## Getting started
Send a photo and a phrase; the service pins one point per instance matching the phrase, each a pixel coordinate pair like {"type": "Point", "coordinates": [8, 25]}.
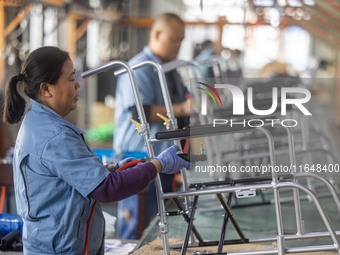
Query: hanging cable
{"type": "Point", "coordinates": [89, 221]}
{"type": "Point", "coordinates": [131, 164]}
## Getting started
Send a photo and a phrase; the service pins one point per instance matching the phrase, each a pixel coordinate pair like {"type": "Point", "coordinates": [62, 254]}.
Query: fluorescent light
{"type": "Point", "coordinates": [264, 3]}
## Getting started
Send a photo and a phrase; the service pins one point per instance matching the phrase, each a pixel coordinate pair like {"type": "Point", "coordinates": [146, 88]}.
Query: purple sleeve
{"type": "Point", "coordinates": [122, 184]}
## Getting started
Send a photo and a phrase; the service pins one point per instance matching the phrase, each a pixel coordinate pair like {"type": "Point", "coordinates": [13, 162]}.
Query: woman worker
{"type": "Point", "coordinates": [57, 177]}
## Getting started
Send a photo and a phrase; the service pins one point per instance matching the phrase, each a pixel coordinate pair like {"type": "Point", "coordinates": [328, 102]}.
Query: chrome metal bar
{"type": "Point", "coordinates": [274, 185]}
{"type": "Point", "coordinates": [106, 67]}
{"type": "Point", "coordinates": [325, 181]}
{"type": "Point", "coordinates": [295, 237]}
{"type": "Point", "coordinates": [297, 205]}
{"type": "Point", "coordinates": [211, 191]}
{"type": "Point", "coordinates": [167, 67]}
{"type": "Point", "coordinates": [283, 185]}
{"type": "Point", "coordinates": [145, 132]}
{"type": "Point", "coordinates": [323, 215]}
{"type": "Point", "coordinates": [170, 114]}
{"type": "Point", "coordinates": [277, 204]}
{"type": "Point", "coordinates": [311, 249]}
{"type": "Point", "coordinates": [164, 87]}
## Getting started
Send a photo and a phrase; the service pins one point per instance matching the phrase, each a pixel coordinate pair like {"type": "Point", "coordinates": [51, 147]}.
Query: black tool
{"type": "Point", "coordinates": [192, 157]}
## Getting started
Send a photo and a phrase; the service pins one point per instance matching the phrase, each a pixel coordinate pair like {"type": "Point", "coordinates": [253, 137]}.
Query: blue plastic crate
{"type": "Point", "coordinates": [110, 154]}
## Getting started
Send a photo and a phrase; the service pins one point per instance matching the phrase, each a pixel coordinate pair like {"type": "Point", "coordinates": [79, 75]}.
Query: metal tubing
{"type": "Point", "coordinates": [226, 207]}
{"type": "Point", "coordinates": [145, 132]}
{"type": "Point", "coordinates": [291, 146]}
{"type": "Point", "coordinates": [325, 181]}
{"type": "Point", "coordinates": [165, 91]}
{"type": "Point", "coordinates": [323, 215]}
{"type": "Point", "coordinates": [296, 197]}
{"type": "Point", "coordinates": [190, 226]}
{"type": "Point", "coordinates": [278, 212]}
{"type": "Point", "coordinates": [274, 180]}
{"type": "Point", "coordinates": [224, 223]}
{"type": "Point", "coordinates": [144, 125]}
{"type": "Point", "coordinates": [295, 237]}
{"type": "Point", "coordinates": [213, 191]}
{"type": "Point", "coordinates": [170, 114]}
{"type": "Point", "coordinates": [167, 67]}
{"type": "Point", "coordinates": [263, 252]}
{"type": "Point", "coordinates": [274, 185]}
{"type": "Point", "coordinates": [311, 249]}
{"type": "Point", "coordinates": [305, 143]}
{"type": "Point", "coordinates": [187, 219]}
{"type": "Point", "coordinates": [283, 185]}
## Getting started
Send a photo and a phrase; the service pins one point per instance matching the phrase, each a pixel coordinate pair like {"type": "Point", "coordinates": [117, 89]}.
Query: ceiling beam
{"type": "Point", "coordinates": [326, 21]}
{"type": "Point", "coordinates": [334, 4]}
{"type": "Point", "coordinates": [329, 14]}
{"type": "Point", "coordinates": [12, 3]}
{"type": "Point", "coordinates": [53, 2]}
{"type": "Point", "coordinates": [147, 22]}
{"type": "Point", "coordinates": [6, 30]}
{"type": "Point", "coordinates": [105, 15]}
{"type": "Point", "coordinates": [327, 30]}
{"type": "Point", "coordinates": [16, 21]}
{"type": "Point", "coordinates": [81, 30]}
{"type": "Point", "coordinates": [320, 33]}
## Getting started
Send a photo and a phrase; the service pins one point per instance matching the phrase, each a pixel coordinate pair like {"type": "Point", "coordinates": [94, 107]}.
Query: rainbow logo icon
{"type": "Point", "coordinates": [212, 92]}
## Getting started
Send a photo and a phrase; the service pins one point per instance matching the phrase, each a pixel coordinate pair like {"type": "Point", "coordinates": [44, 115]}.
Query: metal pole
{"type": "Point", "coordinates": [297, 205]}
{"type": "Point", "coordinates": [145, 132]}
{"type": "Point", "coordinates": [278, 212]}
{"type": "Point", "coordinates": [170, 114]}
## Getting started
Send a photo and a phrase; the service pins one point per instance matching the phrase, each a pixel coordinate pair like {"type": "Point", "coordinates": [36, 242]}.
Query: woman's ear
{"type": "Point", "coordinates": [45, 90]}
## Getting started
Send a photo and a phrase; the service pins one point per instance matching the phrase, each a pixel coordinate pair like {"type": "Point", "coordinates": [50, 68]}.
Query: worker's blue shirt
{"type": "Point", "coordinates": [54, 172]}
{"type": "Point", "coordinates": [126, 137]}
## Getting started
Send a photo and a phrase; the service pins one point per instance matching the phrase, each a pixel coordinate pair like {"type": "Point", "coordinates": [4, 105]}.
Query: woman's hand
{"type": "Point", "coordinates": [115, 166]}
{"type": "Point", "coordinates": [170, 162]}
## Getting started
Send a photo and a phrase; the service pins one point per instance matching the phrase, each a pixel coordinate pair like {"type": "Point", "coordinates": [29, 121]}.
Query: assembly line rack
{"type": "Point", "coordinates": [192, 195]}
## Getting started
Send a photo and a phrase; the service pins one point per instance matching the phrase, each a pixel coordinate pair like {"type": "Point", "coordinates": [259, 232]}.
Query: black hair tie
{"type": "Point", "coordinates": [21, 77]}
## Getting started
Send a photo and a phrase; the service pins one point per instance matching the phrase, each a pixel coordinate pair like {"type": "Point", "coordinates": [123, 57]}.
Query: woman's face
{"type": "Point", "coordinates": [64, 92]}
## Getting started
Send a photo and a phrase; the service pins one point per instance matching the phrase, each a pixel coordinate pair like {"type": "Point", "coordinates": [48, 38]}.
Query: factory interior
{"type": "Point", "coordinates": [187, 127]}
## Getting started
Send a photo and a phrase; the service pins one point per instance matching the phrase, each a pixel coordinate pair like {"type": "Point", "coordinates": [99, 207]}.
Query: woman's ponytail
{"type": "Point", "coordinates": [14, 103]}
{"type": "Point", "coordinates": [43, 65]}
